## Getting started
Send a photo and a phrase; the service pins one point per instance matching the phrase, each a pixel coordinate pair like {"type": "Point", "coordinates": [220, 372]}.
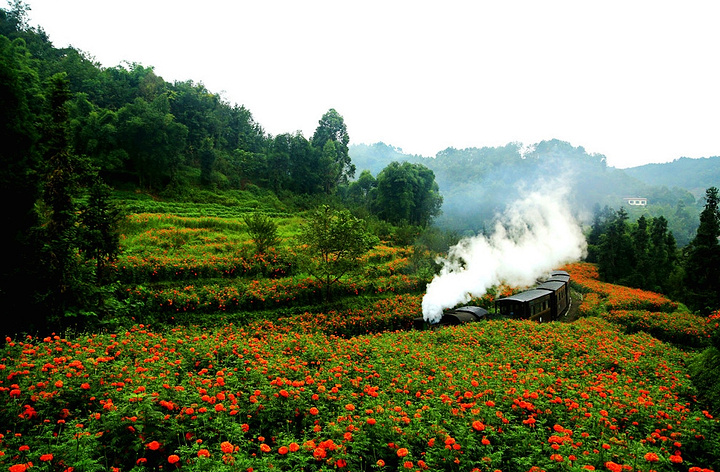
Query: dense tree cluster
{"type": "Point", "coordinates": [644, 254]}
{"type": "Point", "coordinates": [641, 254]}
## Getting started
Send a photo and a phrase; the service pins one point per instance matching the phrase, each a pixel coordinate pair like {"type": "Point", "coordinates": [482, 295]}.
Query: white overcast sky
{"type": "Point", "coordinates": [637, 81]}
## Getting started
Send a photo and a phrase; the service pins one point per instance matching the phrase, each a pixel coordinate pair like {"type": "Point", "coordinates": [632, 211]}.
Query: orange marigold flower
{"type": "Point", "coordinates": [226, 447]}
{"type": "Point", "coordinates": [173, 459]}
{"type": "Point", "coordinates": [282, 450]}
{"type": "Point", "coordinates": [153, 446]}
{"type": "Point", "coordinates": [350, 407]}
{"type": "Point", "coordinates": [380, 463]}
{"type": "Point", "coordinates": [478, 426]}
{"type": "Point", "coordinates": [676, 459]}
{"type": "Point", "coordinates": [402, 452]}
{"type": "Point", "coordinates": [651, 457]}
{"type": "Point", "coordinates": [613, 467]}
{"type": "Point", "coordinates": [408, 465]}
{"type": "Point", "coordinates": [264, 448]}
{"type": "Point", "coordinates": [314, 411]}
{"type": "Point", "coordinates": [18, 468]}
{"type": "Point", "coordinates": [294, 447]}
{"type": "Point", "coordinates": [203, 453]}
{"type": "Point", "coordinates": [46, 457]}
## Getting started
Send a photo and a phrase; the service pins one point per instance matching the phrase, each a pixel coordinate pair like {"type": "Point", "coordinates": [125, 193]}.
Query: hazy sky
{"type": "Point", "coordinates": [638, 81]}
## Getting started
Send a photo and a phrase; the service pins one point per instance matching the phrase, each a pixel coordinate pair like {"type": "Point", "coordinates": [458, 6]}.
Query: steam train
{"type": "Point", "coordinates": [548, 301]}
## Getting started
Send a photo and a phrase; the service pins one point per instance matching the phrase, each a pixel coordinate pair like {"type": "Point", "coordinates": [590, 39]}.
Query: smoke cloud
{"type": "Point", "coordinates": [535, 235]}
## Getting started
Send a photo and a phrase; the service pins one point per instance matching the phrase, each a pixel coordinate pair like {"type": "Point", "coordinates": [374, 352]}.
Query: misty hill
{"type": "Point", "coordinates": [478, 183]}
{"type": "Point", "coordinates": [694, 175]}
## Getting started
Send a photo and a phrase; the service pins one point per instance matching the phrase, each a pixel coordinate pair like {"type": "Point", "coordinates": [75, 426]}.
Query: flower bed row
{"type": "Point", "coordinates": [263, 293]}
{"type": "Point", "coordinates": [502, 395]}
{"type": "Point", "coordinates": [617, 297]}
{"type": "Point", "coordinates": [679, 328]}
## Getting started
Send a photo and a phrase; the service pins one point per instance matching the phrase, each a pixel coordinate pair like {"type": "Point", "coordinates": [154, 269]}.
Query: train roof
{"type": "Point", "coordinates": [526, 296]}
{"type": "Point", "coordinates": [475, 310]}
{"type": "Point", "coordinates": [553, 285]}
{"type": "Point", "coordinates": [559, 272]}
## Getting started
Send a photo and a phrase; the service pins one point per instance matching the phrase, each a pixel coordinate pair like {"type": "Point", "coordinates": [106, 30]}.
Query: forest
{"type": "Point", "coordinates": [182, 290]}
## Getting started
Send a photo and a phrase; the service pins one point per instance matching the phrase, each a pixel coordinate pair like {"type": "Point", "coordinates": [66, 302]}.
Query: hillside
{"type": "Point", "coordinates": [694, 175]}
{"type": "Point", "coordinates": [477, 183]}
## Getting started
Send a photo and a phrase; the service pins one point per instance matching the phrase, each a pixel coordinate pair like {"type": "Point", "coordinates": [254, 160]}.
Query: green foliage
{"type": "Point", "coordinates": [642, 254]}
{"type": "Point", "coordinates": [21, 101]}
{"type": "Point", "coordinates": [262, 230]}
{"type": "Point", "coordinates": [334, 241]}
{"type": "Point", "coordinates": [702, 265]}
{"type": "Point", "coordinates": [331, 142]}
{"type": "Point", "coordinates": [407, 193]}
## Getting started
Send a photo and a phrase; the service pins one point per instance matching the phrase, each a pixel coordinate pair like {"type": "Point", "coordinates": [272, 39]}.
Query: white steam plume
{"type": "Point", "coordinates": [535, 235]}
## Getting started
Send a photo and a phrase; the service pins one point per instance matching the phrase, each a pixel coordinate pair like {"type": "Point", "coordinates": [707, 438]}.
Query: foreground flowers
{"type": "Point", "coordinates": [500, 395]}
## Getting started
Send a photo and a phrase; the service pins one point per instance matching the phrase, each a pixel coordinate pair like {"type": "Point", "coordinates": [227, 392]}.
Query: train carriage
{"type": "Point", "coordinates": [558, 297]}
{"type": "Point", "coordinates": [533, 305]}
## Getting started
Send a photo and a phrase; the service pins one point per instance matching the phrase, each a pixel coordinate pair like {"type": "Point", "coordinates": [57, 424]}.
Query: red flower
{"type": "Point", "coordinates": [173, 459]}
{"type": "Point", "coordinates": [18, 468]}
{"type": "Point", "coordinates": [46, 457]}
{"type": "Point", "coordinates": [153, 446]}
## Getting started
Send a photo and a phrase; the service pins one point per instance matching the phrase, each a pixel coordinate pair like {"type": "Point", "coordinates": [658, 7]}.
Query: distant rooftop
{"type": "Point", "coordinates": [635, 201]}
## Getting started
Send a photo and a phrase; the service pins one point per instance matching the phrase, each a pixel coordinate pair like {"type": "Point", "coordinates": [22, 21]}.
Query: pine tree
{"type": "Point", "coordinates": [702, 265]}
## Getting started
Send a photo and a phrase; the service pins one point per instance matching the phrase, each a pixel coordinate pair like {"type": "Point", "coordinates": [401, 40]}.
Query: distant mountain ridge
{"type": "Point", "coordinates": [477, 183]}
{"type": "Point", "coordinates": [693, 174]}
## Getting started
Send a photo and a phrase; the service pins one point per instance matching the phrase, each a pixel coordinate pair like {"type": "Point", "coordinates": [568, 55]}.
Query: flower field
{"type": "Point", "coordinates": [502, 395]}
{"type": "Point", "coordinates": [349, 388]}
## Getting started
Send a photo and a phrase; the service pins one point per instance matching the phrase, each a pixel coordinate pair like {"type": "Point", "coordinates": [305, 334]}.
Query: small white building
{"type": "Point", "coordinates": [635, 201]}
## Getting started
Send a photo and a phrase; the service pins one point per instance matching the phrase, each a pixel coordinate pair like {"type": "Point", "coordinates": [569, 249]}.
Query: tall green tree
{"type": "Point", "coordinates": [331, 141]}
{"type": "Point", "coordinates": [616, 257]}
{"type": "Point", "coordinates": [334, 241]}
{"type": "Point", "coordinates": [702, 265]}
{"type": "Point", "coordinates": [61, 187]}
{"type": "Point", "coordinates": [99, 235]}
{"type": "Point", "coordinates": [21, 102]}
{"type": "Point", "coordinates": [407, 193]}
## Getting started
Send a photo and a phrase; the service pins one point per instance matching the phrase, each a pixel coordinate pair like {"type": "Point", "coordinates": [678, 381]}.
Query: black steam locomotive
{"type": "Point", "coordinates": [548, 301]}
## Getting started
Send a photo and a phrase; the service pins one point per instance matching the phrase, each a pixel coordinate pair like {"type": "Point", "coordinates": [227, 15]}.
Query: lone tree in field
{"type": "Point", "coordinates": [262, 230]}
{"type": "Point", "coordinates": [334, 241]}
